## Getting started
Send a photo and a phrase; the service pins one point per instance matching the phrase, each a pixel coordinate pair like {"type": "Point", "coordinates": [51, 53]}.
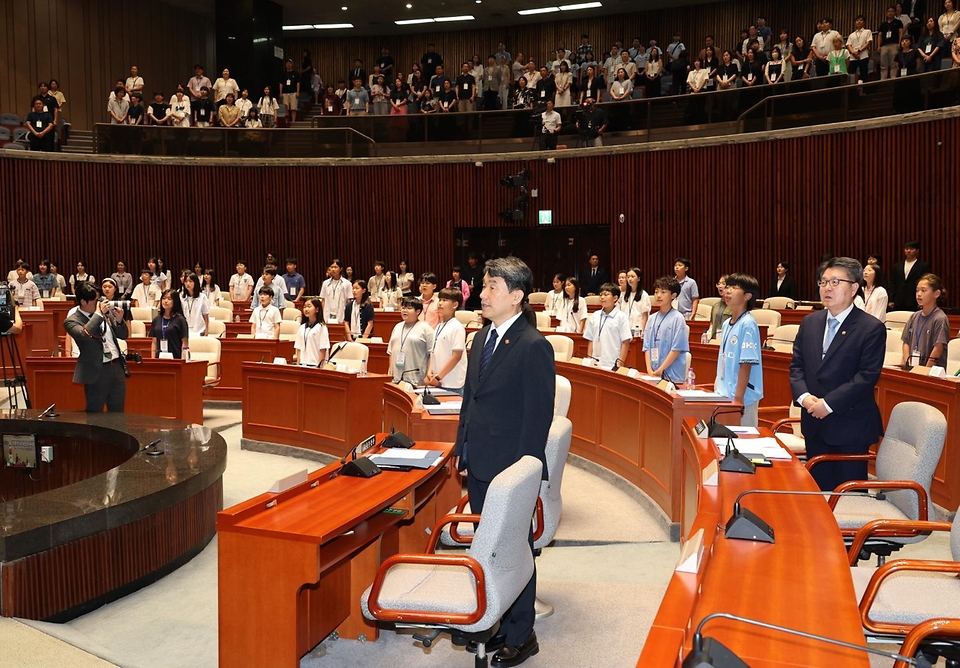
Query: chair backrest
{"type": "Point", "coordinates": [288, 330]}
{"type": "Point", "coordinates": [142, 313]}
{"type": "Point", "coordinates": [953, 356]}
{"type": "Point", "coordinates": [216, 329]}
{"type": "Point", "coordinates": [14, 147]}
{"type": "Point", "coordinates": [543, 321]}
{"type": "Point", "coordinates": [350, 353]}
{"type": "Point", "coordinates": [561, 399]}
{"type": "Point", "coordinates": [9, 119]}
{"type": "Point", "coordinates": [224, 302]}
{"type": "Point", "coordinates": [467, 318]}
{"type": "Point", "coordinates": [767, 317]}
{"type": "Point", "coordinates": [780, 303]}
{"type": "Point", "coordinates": [910, 450]}
{"type": "Point", "coordinates": [558, 447]}
{"type": "Point", "coordinates": [206, 348]}
{"type": "Point", "coordinates": [784, 336]}
{"type": "Point", "coordinates": [137, 328]}
{"type": "Point", "coordinates": [291, 314]}
{"type": "Point", "coordinates": [4, 134]}
{"type": "Point", "coordinates": [703, 312]}
{"type": "Point", "coordinates": [562, 347]}
{"type": "Point", "coordinates": [898, 319]}
{"type": "Point", "coordinates": [468, 344]}
{"type": "Point", "coordinates": [537, 298]}
{"type": "Point", "coordinates": [709, 301]}
{"type": "Point", "coordinates": [220, 313]}
{"type": "Point", "coordinates": [592, 300]}
{"type": "Point", "coordinates": [500, 543]}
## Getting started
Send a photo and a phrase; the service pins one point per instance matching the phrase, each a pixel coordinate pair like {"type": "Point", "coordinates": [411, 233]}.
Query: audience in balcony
{"type": "Point", "coordinates": [837, 58]}
{"type": "Point", "coordinates": [821, 46]}
{"type": "Point", "coordinates": [134, 82]}
{"type": "Point", "coordinates": [118, 107]}
{"type": "Point", "coordinates": [889, 34]}
{"type": "Point", "coordinates": [158, 113]}
{"type": "Point", "coordinates": [358, 100]}
{"type": "Point", "coordinates": [399, 97]}
{"type": "Point", "coordinates": [229, 112]}
{"type": "Point", "coordinates": [197, 83]}
{"type": "Point", "coordinates": [180, 109]}
{"type": "Point", "coordinates": [41, 127]}
{"type": "Point", "coordinates": [380, 96]}
{"type": "Point", "coordinates": [858, 44]}
{"type": "Point", "coordinates": [224, 86]}
{"type": "Point", "coordinates": [949, 21]}
{"type": "Point", "coordinates": [931, 46]}
{"type": "Point", "coordinates": [204, 112]}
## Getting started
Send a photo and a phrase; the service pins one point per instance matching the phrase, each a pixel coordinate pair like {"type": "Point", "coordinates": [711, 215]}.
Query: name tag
{"type": "Point", "coordinates": [543, 93]}
{"type": "Point", "coordinates": [889, 34]}
{"type": "Point", "coordinates": [750, 77]}
{"type": "Point", "coordinates": [164, 346]}
{"type": "Point", "coordinates": [39, 124]}
{"type": "Point", "coordinates": [45, 110]}
{"type": "Point", "coordinates": [929, 48]}
{"type": "Point", "coordinates": [490, 78]}
{"type": "Point", "coordinates": [836, 69]}
{"type": "Point", "coordinates": [903, 71]}
{"type": "Point", "coordinates": [466, 86]}
{"type": "Point", "coordinates": [329, 109]}
{"type": "Point", "coordinates": [289, 82]}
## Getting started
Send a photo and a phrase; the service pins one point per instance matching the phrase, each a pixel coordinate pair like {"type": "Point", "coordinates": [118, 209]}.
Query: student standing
{"type": "Point", "coordinates": [265, 319]}
{"type": "Point", "coordinates": [448, 359]}
{"type": "Point", "coordinates": [428, 288]}
{"type": "Point", "coordinates": [689, 297]}
{"type": "Point", "coordinates": [334, 292]}
{"type": "Point", "coordinates": [293, 281]}
{"type": "Point", "coordinates": [572, 313]}
{"type": "Point", "coordinates": [608, 331]}
{"type": "Point", "coordinates": [410, 344]}
{"type": "Point", "coordinates": [665, 340]}
{"type": "Point", "coordinates": [313, 340]}
{"type": "Point", "coordinates": [169, 329]}
{"type": "Point", "coordinates": [195, 307]}
{"type": "Point", "coordinates": [635, 302]}
{"type": "Point", "coordinates": [358, 314]}
{"type": "Point", "coordinates": [146, 293]}
{"type": "Point", "coordinates": [739, 368]}
{"type": "Point", "coordinates": [927, 332]}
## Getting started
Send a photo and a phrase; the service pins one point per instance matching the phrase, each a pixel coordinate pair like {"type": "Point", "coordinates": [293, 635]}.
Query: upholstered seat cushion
{"type": "Point", "coordinates": [910, 597]}
{"type": "Point", "coordinates": [416, 587]}
{"type": "Point", "coordinates": [853, 512]}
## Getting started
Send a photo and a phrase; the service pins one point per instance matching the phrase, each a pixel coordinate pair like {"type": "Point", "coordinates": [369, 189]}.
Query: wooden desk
{"type": "Point", "coordinates": [383, 324]}
{"type": "Point", "coordinates": [894, 387]}
{"type": "Point", "coordinates": [316, 409]}
{"type": "Point", "coordinates": [163, 388]}
{"type": "Point", "coordinates": [400, 413]}
{"type": "Point", "coordinates": [233, 353]}
{"type": "Point", "coordinates": [802, 581]}
{"type": "Point", "coordinates": [632, 428]}
{"type": "Point", "coordinates": [292, 566]}
{"type": "Point", "coordinates": [39, 336]}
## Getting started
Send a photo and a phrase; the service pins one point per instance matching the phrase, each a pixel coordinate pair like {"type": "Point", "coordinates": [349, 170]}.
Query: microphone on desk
{"type": "Point", "coordinates": [711, 653]}
{"type": "Point", "coordinates": [400, 380]}
{"type": "Point", "coordinates": [152, 449]}
{"type": "Point", "coordinates": [720, 430]}
{"type": "Point", "coordinates": [617, 363]}
{"type": "Point", "coordinates": [747, 525]}
{"type": "Point", "coordinates": [48, 412]}
{"type": "Point", "coordinates": [262, 357]}
{"type": "Point", "coordinates": [428, 399]}
{"type": "Point", "coordinates": [766, 344]}
{"type": "Point", "coordinates": [734, 461]}
{"type": "Point", "coordinates": [397, 439]}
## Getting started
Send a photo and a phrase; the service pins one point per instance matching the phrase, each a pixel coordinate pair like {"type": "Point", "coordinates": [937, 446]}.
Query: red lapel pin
{"type": "Point", "coordinates": [506, 342]}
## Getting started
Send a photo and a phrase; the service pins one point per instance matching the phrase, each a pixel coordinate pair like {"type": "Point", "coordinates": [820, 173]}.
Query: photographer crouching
{"type": "Point", "coordinates": [96, 327]}
{"type": "Point", "coordinates": [591, 122]}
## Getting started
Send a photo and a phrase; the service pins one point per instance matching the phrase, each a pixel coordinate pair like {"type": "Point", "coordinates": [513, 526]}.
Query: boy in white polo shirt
{"type": "Point", "coordinates": [241, 283]}
{"type": "Point", "coordinates": [448, 360]}
{"type": "Point", "coordinates": [265, 319]}
{"type": "Point", "coordinates": [608, 330]}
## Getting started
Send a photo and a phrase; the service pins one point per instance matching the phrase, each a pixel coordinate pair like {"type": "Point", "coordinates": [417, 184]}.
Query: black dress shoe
{"type": "Point", "coordinates": [491, 646]}
{"type": "Point", "coordinates": [514, 656]}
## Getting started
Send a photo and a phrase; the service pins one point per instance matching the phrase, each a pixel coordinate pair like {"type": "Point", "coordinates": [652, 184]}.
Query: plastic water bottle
{"type": "Point", "coordinates": [691, 379]}
{"type": "Point", "coordinates": [705, 337]}
{"type": "Point", "coordinates": [186, 354]}
{"type": "Point", "coordinates": [363, 368]}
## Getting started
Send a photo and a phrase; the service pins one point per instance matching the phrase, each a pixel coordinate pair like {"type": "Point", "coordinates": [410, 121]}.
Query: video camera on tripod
{"type": "Point", "coordinates": [11, 364]}
{"type": "Point", "coordinates": [7, 305]}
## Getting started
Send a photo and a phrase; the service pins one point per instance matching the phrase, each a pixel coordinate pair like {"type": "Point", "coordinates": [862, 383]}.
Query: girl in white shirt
{"type": "Point", "coordinates": [874, 296]}
{"type": "Point", "coordinates": [268, 108]}
{"type": "Point", "coordinates": [210, 287]}
{"type": "Point", "coordinates": [313, 340]}
{"type": "Point", "coordinates": [195, 307]}
{"type": "Point", "coordinates": [390, 294]}
{"type": "Point", "coordinates": [635, 302]}
{"type": "Point", "coordinates": [555, 297]}
{"type": "Point", "coordinates": [573, 310]}
{"type": "Point", "coordinates": [164, 274]}
{"type": "Point", "coordinates": [405, 279]}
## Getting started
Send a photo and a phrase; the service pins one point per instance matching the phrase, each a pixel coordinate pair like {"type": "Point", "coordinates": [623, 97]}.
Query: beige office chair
{"type": "Point", "coordinates": [893, 353]}
{"type": "Point", "coordinates": [143, 313]}
{"type": "Point", "coordinates": [953, 356]}
{"type": "Point", "coordinates": [561, 398]}
{"type": "Point", "coordinates": [207, 348]}
{"type": "Point", "coordinates": [465, 594]}
{"type": "Point", "coordinates": [562, 347]}
{"type": "Point", "coordinates": [121, 346]}
{"type": "Point", "coordinates": [543, 322]}
{"type": "Point", "coordinates": [905, 464]}
{"type": "Point", "coordinates": [290, 313]}
{"type": "Point", "coordinates": [783, 338]}
{"type": "Point", "coordinates": [703, 312]}
{"type": "Point", "coordinates": [224, 302]}
{"type": "Point", "coordinates": [220, 313]}
{"type": "Point", "coordinates": [138, 328]}
{"type": "Point", "coordinates": [354, 355]}
{"type": "Point", "coordinates": [467, 318]}
{"type": "Point", "coordinates": [787, 431]}
{"type": "Point", "coordinates": [592, 300]}
{"type": "Point", "coordinates": [767, 317]}
{"type": "Point", "coordinates": [288, 330]}
{"type": "Point", "coordinates": [898, 319]}
{"type": "Point", "coordinates": [217, 329]}
{"type": "Point", "coordinates": [537, 298]}
{"type": "Point", "coordinates": [468, 344]}
{"type": "Point", "coordinates": [709, 301]}
{"type": "Point", "coordinates": [779, 303]}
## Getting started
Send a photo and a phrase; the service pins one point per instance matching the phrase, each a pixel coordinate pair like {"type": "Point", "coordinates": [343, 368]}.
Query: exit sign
{"type": "Point", "coordinates": [546, 217]}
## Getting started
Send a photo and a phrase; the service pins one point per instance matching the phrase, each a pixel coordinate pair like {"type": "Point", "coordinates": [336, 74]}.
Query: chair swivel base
{"type": "Point", "coordinates": [543, 608]}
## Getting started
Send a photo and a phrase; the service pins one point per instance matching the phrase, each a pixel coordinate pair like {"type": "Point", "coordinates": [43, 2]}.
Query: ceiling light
{"type": "Point", "coordinates": [410, 22]}
{"type": "Point", "coordinates": [541, 10]}
{"type": "Point", "coordinates": [331, 26]}
{"type": "Point", "coordinates": [409, 6]}
{"type": "Point", "coordinates": [447, 19]}
{"type": "Point", "coordinates": [344, 8]}
{"type": "Point", "coordinates": [303, 27]}
{"type": "Point", "coordinates": [582, 5]}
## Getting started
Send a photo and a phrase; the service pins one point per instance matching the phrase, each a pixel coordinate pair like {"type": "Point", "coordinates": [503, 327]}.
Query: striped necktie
{"type": "Point", "coordinates": [488, 348]}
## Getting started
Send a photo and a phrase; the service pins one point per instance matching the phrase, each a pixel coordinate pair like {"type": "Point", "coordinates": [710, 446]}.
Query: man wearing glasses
{"type": "Point", "coordinates": [837, 357]}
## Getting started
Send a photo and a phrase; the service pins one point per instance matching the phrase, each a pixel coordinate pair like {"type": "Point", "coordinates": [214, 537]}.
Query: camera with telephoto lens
{"type": "Point", "coordinates": [122, 304]}
{"type": "Point", "coordinates": [6, 307]}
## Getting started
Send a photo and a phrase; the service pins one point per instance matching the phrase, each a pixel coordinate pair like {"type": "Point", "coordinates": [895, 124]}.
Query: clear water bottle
{"type": "Point", "coordinates": [186, 354]}
{"type": "Point", "coordinates": [691, 379]}
{"type": "Point", "coordinates": [363, 368]}
{"type": "Point", "coordinates": [705, 337]}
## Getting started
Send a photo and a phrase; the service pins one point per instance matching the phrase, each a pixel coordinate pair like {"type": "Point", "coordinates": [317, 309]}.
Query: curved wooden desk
{"type": "Point", "coordinates": [401, 413]}
{"type": "Point", "coordinates": [802, 581]}
{"type": "Point", "coordinates": [104, 519]}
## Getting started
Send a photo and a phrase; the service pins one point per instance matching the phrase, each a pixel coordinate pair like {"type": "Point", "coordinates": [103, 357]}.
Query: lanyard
{"type": "Point", "coordinates": [403, 339]}
{"type": "Point", "coordinates": [918, 328]}
{"type": "Point", "coordinates": [437, 337]}
{"type": "Point", "coordinates": [656, 331]}
{"type": "Point", "coordinates": [163, 326]}
{"type": "Point", "coordinates": [603, 321]}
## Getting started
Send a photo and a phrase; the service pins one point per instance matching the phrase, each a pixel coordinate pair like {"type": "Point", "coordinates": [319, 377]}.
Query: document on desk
{"type": "Point", "coordinates": [768, 447]}
{"type": "Point", "coordinates": [404, 458]}
{"type": "Point", "coordinates": [701, 395]}
{"type": "Point", "coordinates": [444, 408]}
{"type": "Point", "coordinates": [436, 391]}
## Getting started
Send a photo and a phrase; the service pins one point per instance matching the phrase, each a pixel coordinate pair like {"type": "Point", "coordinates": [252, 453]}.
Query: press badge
{"type": "Point", "coordinates": [164, 346]}
{"type": "Point", "coordinates": [399, 358]}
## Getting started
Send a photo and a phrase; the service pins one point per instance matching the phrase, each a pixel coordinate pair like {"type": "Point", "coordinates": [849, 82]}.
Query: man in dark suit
{"type": "Point", "coordinates": [507, 410]}
{"type": "Point", "coordinates": [594, 277]}
{"type": "Point", "coordinates": [903, 280]}
{"type": "Point", "coordinates": [96, 328]}
{"type": "Point", "coordinates": [837, 357]}
{"type": "Point", "coordinates": [785, 285]}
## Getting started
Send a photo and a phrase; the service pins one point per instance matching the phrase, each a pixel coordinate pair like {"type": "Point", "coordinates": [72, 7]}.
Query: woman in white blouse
{"type": "Point", "coordinates": [874, 296]}
{"type": "Point", "coordinates": [555, 297]}
{"type": "Point", "coordinates": [390, 294]}
{"type": "Point", "coordinates": [949, 21]}
{"type": "Point", "coordinates": [622, 87]}
{"type": "Point", "coordinates": [196, 309]}
{"type": "Point", "coordinates": [635, 302]}
{"type": "Point", "coordinates": [573, 311]}
{"type": "Point", "coordinates": [563, 79]}
{"type": "Point", "coordinates": [405, 278]}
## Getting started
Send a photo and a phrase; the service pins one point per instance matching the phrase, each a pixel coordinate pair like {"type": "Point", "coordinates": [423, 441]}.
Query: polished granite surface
{"type": "Point", "coordinates": [193, 458]}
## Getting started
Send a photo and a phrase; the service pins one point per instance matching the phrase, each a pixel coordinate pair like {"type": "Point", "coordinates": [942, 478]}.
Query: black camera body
{"type": "Point", "coordinates": [7, 305]}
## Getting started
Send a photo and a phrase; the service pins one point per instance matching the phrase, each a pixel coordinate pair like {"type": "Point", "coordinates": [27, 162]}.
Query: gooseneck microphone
{"type": "Point", "coordinates": [711, 653]}
{"type": "Point", "coordinates": [720, 430]}
{"type": "Point", "coordinates": [397, 382]}
{"type": "Point", "coordinates": [734, 461]}
{"type": "Point", "coordinates": [48, 412]}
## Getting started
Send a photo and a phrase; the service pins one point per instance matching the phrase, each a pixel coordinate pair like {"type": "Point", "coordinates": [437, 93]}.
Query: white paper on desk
{"type": "Point", "coordinates": [444, 408]}
{"type": "Point", "coordinates": [744, 431]}
{"type": "Point", "coordinates": [701, 395]}
{"type": "Point", "coordinates": [652, 379]}
{"type": "Point", "coordinates": [403, 453]}
{"type": "Point", "coordinates": [768, 447]}
{"type": "Point", "coordinates": [436, 391]}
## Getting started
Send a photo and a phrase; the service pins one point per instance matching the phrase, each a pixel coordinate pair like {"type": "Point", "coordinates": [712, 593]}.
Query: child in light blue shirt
{"type": "Point", "coordinates": [666, 339]}
{"type": "Point", "coordinates": [739, 369]}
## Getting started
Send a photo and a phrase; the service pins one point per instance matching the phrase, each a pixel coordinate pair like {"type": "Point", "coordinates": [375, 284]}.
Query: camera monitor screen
{"type": "Point", "coordinates": [21, 451]}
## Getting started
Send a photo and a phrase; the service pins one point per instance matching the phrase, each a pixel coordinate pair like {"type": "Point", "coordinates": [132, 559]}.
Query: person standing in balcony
{"type": "Point", "coordinates": [858, 44]}
{"type": "Point", "coordinates": [931, 47]}
{"type": "Point", "coordinates": [889, 34]}
{"type": "Point", "coordinates": [820, 47]}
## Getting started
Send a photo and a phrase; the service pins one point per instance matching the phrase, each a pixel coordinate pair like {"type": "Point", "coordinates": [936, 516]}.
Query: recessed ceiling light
{"type": "Point", "coordinates": [582, 5]}
{"type": "Point", "coordinates": [410, 22]}
{"type": "Point", "coordinates": [302, 27]}
{"type": "Point", "coordinates": [344, 8]}
{"type": "Point", "coordinates": [447, 19]}
{"type": "Point", "coordinates": [409, 6]}
{"type": "Point", "coordinates": [539, 10]}
{"type": "Point", "coordinates": [331, 26]}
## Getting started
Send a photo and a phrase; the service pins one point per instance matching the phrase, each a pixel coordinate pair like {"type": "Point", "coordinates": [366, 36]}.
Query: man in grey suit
{"type": "Point", "coordinates": [96, 329]}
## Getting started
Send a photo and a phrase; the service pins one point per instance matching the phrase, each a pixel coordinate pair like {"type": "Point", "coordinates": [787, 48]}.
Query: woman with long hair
{"type": "Point", "coordinates": [169, 328]}
{"type": "Point", "coordinates": [313, 340]}
{"type": "Point", "coordinates": [573, 310]}
{"type": "Point", "coordinates": [194, 304]}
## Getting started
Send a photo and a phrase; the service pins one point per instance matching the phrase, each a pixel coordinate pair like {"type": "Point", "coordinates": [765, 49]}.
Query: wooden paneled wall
{"type": "Point", "coordinates": [87, 45]}
{"type": "Point", "coordinates": [334, 56]}
{"type": "Point", "coordinates": [737, 207]}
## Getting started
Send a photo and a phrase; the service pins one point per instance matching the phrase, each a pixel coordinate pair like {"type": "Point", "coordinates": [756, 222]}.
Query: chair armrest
{"type": "Point", "coordinates": [891, 527]}
{"type": "Point", "coordinates": [854, 485]}
{"type": "Point", "coordinates": [779, 424]}
{"type": "Point", "coordinates": [866, 457]}
{"type": "Point", "coordinates": [538, 515]}
{"type": "Point", "coordinates": [939, 628]}
{"type": "Point", "coordinates": [891, 567]}
{"type": "Point", "coordinates": [452, 519]}
{"type": "Point", "coordinates": [427, 616]}
{"type": "Point", "coordinates": [464, 500]}
{"type": "Point", "coordinates": [466, 540]}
